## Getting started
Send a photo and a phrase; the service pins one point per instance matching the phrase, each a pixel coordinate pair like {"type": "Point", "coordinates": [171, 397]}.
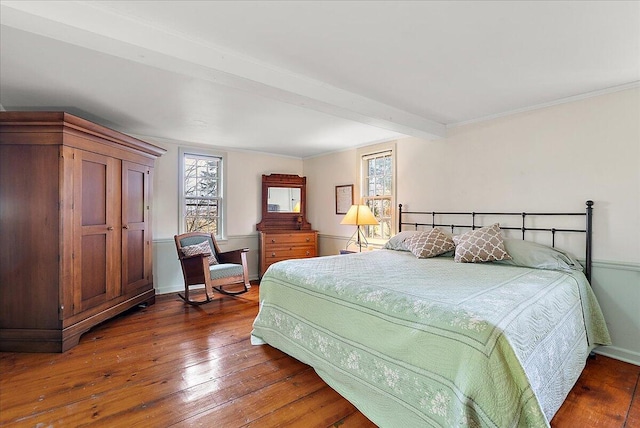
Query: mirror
{"type": "Point", "coordinates": [283, 200]}
{"type": "Point", "coordinates": [284, 203]}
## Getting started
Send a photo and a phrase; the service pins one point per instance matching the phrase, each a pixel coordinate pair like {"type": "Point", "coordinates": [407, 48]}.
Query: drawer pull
{"type": "Point", "coordinates": [273, 241]}
{"type": "Point", "coordinates": [308, 239]}
{"type": "Point", "coordinates": [273, 254]}
{"type": "Point", "coordinates": [308, 253]}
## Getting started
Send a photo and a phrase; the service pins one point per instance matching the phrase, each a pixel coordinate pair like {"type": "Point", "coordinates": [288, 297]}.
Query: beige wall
{"type": "Point", "coordinates": [551, 159]}
{"type": "Point", "coordinates": [323, 175]}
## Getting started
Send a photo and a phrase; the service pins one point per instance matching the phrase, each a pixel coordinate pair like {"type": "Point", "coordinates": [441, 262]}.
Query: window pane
{"type": "Point", "coordinates": [386, 208]}
{"type": "Point", "coordinates": [379, 210]}
{"type": "Point", "coordinates": [379, 187]}
{"type": "Point", "coordinates": [387, 166]}
{"type": "Point", "coordinates": [202, 215]}
{"type": "Point", "coordinates": [379, 166]}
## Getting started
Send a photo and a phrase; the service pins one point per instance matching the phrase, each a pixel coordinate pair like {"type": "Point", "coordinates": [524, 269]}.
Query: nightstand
{"type": "Point", "coordinates": [346, 252]}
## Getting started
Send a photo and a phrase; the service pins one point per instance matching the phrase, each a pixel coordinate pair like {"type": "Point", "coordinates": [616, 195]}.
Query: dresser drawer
{"type": "Point", "coordinates": [283, 253]}
{"type": "Point", "coordinates": [289, 238]}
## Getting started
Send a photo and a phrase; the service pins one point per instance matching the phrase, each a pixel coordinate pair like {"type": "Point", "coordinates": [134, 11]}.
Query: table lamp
{"type": "Point", "coordinates": [359, 215]}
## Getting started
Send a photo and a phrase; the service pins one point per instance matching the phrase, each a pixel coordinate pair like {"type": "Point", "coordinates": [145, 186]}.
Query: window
{"type": "Point", "coordinates": [377, 189]}
{"type": "Point", "coordinates": [201, 196]}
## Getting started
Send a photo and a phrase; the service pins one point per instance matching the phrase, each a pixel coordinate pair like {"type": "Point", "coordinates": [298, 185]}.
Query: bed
{"type": "Point", "coordinates": [432, 341]}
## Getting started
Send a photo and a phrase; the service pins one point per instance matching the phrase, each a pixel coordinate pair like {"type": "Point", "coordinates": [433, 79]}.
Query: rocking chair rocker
{"type": "Point", "coordinates": [203, 263]}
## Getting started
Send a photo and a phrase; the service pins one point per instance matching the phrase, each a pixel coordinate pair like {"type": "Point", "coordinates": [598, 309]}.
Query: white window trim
{"type": "Point", "coordinates": [389, 146]}
{"type": "Point", "coordinates": [222, 236]}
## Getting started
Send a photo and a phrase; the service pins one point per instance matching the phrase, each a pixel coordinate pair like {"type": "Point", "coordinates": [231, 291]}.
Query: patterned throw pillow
{"type": "Point", "coordinates": [429, 244]}
{"type": "Point", "coordinates": [480, 245]}
{"type": "Point", "coordinates": [201, 248]}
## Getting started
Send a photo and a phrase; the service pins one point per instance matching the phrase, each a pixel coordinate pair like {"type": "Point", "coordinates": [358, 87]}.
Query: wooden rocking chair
{"type": "Point", "coordinates": [203, 263]}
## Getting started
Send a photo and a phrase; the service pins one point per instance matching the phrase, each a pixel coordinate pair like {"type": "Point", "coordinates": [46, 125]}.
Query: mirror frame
{"type": "Point", "coordinates": [281, 220]}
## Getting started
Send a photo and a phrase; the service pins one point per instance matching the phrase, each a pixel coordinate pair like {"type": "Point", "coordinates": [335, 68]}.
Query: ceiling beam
{"type": "Point", "coordinates": [92, 26]}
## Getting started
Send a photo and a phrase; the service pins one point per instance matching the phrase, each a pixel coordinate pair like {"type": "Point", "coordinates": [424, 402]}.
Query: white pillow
{"type": "Point", "coordinates": [531, 254]}
{"type": "Point", "coordinates": [398, 241]}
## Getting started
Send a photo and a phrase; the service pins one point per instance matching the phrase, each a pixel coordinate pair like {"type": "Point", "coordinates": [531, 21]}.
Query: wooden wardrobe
{"type": "Point", "coordinates": [75, 205]}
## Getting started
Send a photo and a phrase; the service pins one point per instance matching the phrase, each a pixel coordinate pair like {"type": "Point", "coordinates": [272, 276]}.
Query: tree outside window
{"type": "Point", "coordinates": [202, 193]}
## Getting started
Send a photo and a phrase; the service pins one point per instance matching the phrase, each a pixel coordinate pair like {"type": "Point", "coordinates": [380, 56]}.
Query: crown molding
{"type": "Point", "coordinates": [570, 99]}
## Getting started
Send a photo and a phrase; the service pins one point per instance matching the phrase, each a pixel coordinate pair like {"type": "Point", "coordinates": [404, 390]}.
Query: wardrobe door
{"type": "Point", "coordinates": [96, 216]}
{"type": "Point", "coordinates": [136, 254]}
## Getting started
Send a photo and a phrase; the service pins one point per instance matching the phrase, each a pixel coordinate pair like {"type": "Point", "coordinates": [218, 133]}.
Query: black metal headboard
{"type": "Point", "coordinates": [524, 228]}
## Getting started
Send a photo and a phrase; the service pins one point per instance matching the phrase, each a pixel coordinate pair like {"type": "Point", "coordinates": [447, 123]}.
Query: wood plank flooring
{"type": "Point", "coordinates": [174, 365]}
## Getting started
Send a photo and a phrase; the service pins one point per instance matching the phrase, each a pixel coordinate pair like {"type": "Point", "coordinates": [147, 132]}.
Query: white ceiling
{"type": "Point", "coordinates": [302, 78]}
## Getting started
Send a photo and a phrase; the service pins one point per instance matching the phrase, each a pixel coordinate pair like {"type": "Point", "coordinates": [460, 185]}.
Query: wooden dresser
{"type": "Point", "coordinates": [284, 231]}
{"type": "Point", "coordinates": [280, 245]}
{"type": "Point", "coordinates": [75, 225]}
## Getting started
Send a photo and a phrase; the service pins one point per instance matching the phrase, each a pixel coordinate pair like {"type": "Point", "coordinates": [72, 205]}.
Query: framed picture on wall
{"type": "Point", "coordinates": [344, 198]}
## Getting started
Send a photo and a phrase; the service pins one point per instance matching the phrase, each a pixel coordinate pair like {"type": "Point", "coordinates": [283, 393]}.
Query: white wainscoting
{"type": "Point", "coordinates": [617, 287]}
{"type": "Point", "coordinates": [330, 245]}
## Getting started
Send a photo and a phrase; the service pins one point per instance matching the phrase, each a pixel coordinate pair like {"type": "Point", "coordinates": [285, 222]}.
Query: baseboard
{"type": "Point", "coordinates": [174, 289]}
{"type": "Point", "coordinates": [619, 354]}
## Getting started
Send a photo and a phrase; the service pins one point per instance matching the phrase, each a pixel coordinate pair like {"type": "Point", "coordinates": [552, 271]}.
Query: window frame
{"type": "Point", "coordinates": [363, 155]}
{"type": "Point", "coordinates": [199, 152]}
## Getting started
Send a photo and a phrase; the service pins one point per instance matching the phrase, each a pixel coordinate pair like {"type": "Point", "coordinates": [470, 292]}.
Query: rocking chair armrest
{"type": "Point", "coordinates": [234, 256]}
{"type": "Point", "coordinates": [195, 256]}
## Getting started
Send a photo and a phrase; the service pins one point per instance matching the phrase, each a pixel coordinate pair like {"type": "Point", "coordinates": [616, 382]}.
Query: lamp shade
{"type": "Point", "coordinates": [359, 215]}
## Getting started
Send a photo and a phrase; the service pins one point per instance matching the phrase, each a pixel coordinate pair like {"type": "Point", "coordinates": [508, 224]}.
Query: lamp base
{"type": "Point", "coordinates": [359, 239]}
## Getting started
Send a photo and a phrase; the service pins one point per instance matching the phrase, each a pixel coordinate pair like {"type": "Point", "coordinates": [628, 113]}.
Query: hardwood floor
{"type": "Point", "coordinates": [173, 365]}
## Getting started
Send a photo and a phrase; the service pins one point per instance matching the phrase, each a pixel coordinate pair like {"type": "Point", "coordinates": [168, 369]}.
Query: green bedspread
{"type": "Point", "coordinates": [429, 342]}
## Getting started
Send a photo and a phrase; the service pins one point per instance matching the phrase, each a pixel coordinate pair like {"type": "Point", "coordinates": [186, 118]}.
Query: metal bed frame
{"type": "Point", "coordinates": [587, 230]}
